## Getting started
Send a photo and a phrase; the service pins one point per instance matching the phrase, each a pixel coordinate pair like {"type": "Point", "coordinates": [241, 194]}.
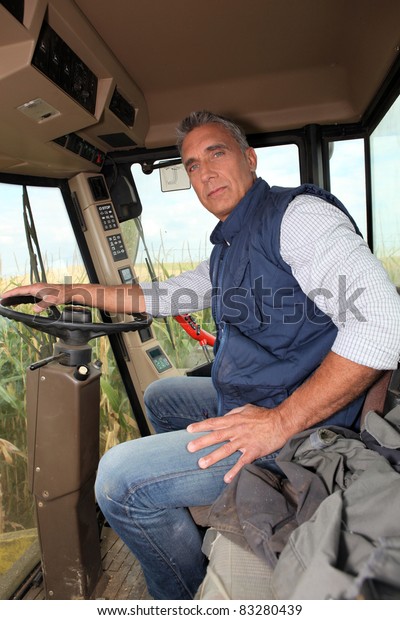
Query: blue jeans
{"type": "Point", "coordinates": [144, 486]}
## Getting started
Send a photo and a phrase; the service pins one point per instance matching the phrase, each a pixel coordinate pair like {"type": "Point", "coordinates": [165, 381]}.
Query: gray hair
{"type": "Point", "coordinates": [203, 117]}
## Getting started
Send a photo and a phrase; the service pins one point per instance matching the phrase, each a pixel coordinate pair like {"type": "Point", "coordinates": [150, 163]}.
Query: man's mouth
{"type": "Point", "coordinates": [216, 192]}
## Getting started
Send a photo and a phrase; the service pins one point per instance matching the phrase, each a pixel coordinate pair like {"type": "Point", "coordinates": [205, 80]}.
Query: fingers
{"type": "Point", "coordinates": [35, 290]}
{"type": "Point", "coordinates": [20, 291]}
{"type": "Point", "coordinates": [47, 301]}
{"type": "Point", "coordinates": [244, 429]}
{"type": "Point", "coordinates": [46, 294]}
{"type": "Point", "coordinates": [222, 452]}
{"type": "Point", "coordinates": [200, 427]}
{"type": "Point", "coordinates": [207, 440]}
{"type": "Point", "coordinates": [227, 446]}
{"type": "Point", "coordinates": [211, 424]}
{"type": "Point", "coordinates": [241, 462]}
{"type": "Point", "coordinates": [218, 455]}
{"type": "Point", "coordinates": [212, 439]}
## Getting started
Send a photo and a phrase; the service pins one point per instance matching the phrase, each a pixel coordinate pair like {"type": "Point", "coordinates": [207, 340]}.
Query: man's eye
{"type": "Point", "coordinates": [192, 168]}
{"type": "Point", "coordinates": [219, 153]}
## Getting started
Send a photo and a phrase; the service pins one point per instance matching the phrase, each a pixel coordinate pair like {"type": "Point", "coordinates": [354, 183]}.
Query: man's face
{"type": "Point", "coordinates": [220, 172]}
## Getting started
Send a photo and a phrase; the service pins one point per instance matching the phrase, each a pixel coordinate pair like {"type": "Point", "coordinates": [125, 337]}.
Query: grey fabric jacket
{"type": "Point", "coordinates": [331, 528]}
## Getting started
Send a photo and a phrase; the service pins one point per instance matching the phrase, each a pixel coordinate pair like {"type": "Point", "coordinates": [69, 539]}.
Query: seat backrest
{"type": "Point", "coordinates": [377, 394]}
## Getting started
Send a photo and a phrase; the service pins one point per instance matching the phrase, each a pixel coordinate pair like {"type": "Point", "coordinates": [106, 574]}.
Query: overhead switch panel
{"type": "Point", "coordinates": [122, 109]}
{"type": "Point", "coordinates": [61, 65]}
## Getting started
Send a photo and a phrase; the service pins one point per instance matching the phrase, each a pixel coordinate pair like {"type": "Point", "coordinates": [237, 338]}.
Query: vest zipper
{"type": "Point", "coordinates": [223, 328]}
{"type": "Point", "coordinates": [216, 365]}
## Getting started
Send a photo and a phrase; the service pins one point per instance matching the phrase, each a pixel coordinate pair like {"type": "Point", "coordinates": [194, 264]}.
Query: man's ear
{"type": "Point", "coordinates": [251, 158]}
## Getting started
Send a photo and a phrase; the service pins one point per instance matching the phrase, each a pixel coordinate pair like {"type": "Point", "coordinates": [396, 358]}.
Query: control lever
{"type": "Point", "coordinates": [191, 327]}
{"type": "Point", "coordinates": [47, 360]}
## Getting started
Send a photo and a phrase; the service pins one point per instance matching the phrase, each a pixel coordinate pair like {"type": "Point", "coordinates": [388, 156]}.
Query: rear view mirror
{"type": "Point", "coordinates": [173, 178]}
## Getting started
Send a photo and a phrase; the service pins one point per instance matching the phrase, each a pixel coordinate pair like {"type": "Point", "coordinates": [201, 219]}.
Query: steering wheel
{"type": "Point", "coordinates": [73, 326]}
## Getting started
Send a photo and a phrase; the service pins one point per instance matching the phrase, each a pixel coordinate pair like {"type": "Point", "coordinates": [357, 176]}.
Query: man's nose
{"type": "Point", "coordinates": [207, 171]}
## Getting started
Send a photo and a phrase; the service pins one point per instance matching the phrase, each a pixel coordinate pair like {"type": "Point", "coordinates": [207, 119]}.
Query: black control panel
{"type": "Point", "coordinates": [107, 216]}
{"type": "Point", "coordinates": [74, 143]}
{"type": "Point", "coordinates": [117, 247]}
{"type": "Point", "coordinates": [58, 62]}
{"type": "Point", "coordinates": [122, 109]}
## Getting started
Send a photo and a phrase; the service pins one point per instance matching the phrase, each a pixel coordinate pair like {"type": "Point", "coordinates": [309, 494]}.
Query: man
{"type": "Point", "coordinates": [307, 319]}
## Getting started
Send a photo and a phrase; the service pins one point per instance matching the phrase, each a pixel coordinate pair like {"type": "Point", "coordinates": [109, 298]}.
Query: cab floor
{"type": "Point", "coordinates": [122, 578]}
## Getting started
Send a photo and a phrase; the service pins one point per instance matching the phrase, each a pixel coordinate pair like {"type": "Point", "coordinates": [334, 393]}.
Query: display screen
{"type": "Point", "coordinates": [159, 359]}
{"type": "Point", "coordinates": [126, 275]}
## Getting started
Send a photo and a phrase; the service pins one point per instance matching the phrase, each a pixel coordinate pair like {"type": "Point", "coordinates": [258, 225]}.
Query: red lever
{"type": "Point", "coordinates": [194, 330]}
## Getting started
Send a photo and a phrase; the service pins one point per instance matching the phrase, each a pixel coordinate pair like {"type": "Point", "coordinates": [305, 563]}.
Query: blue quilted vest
{"type": "Point", "coordinates": [271, 336]}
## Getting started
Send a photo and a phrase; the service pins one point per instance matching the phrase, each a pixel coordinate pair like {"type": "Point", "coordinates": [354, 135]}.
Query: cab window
{"type": "Point", "coordinates": [385, 166]}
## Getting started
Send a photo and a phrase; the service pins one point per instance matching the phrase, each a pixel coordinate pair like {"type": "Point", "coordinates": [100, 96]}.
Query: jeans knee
{"type": "Point", "coordinates": [106, 484]}
{"type": "Point", "coordinates": [123, 470]}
